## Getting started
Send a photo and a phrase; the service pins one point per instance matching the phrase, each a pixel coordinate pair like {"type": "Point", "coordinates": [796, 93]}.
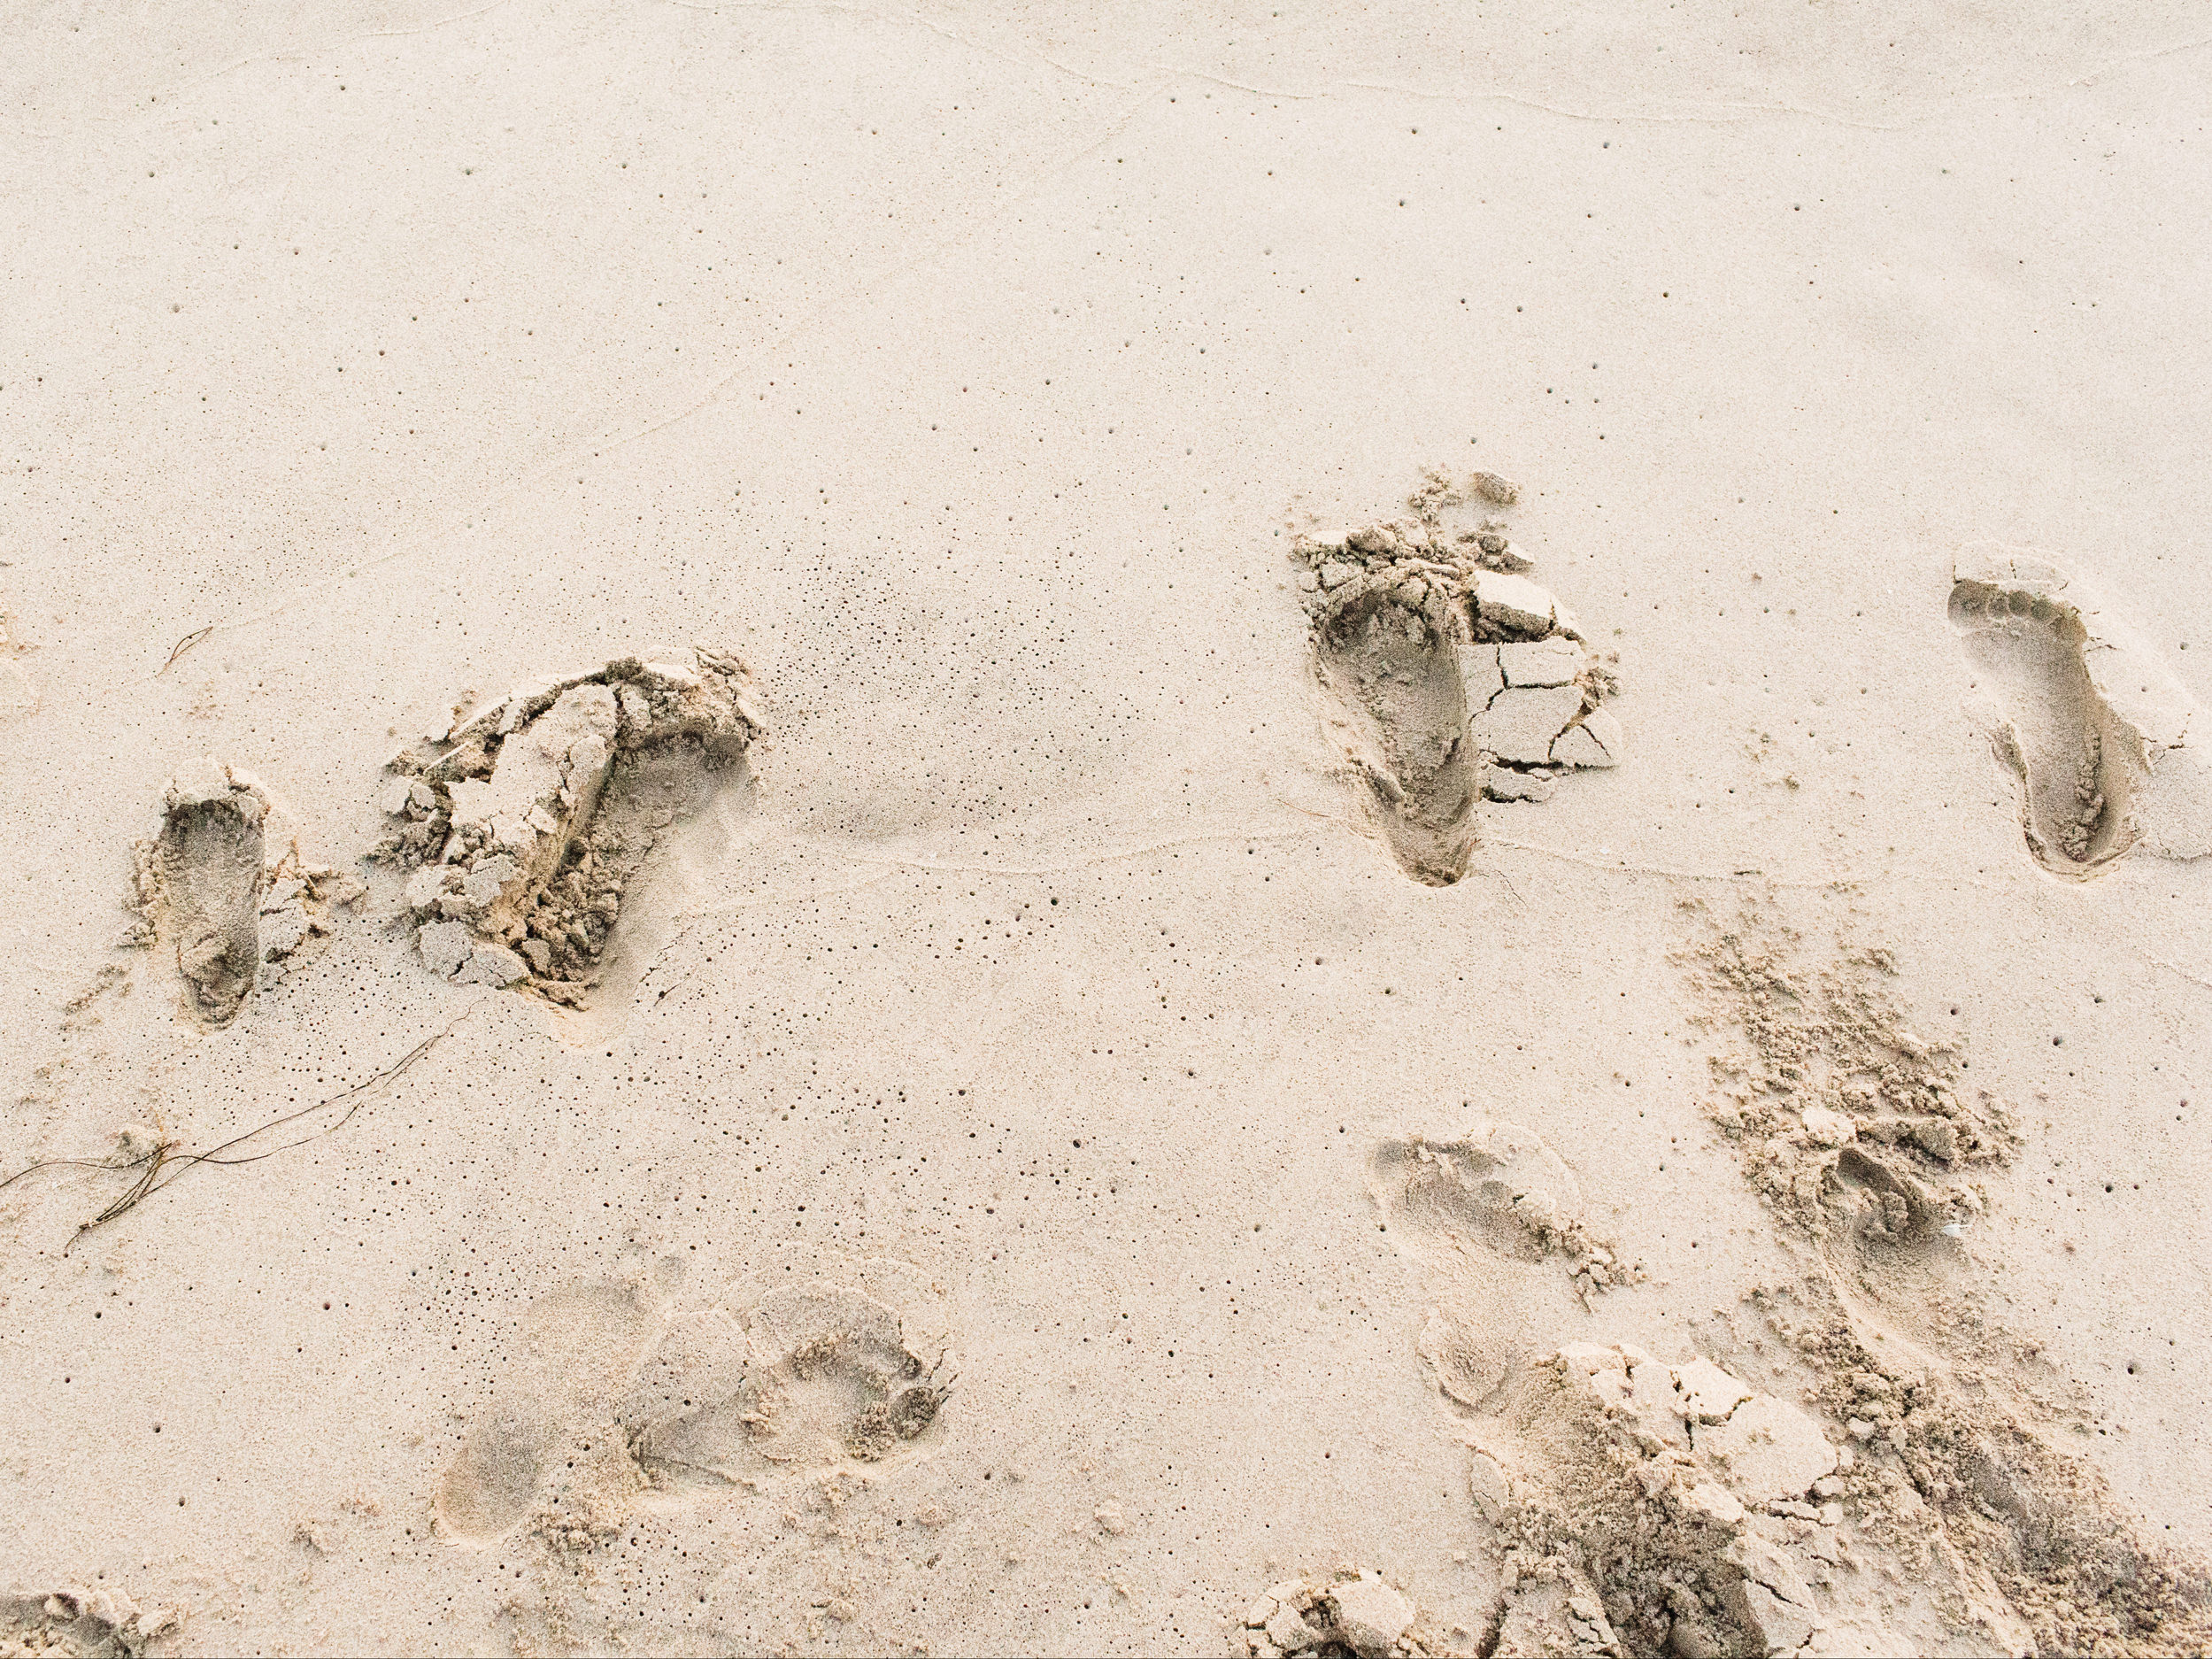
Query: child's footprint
{"type": "Point", "coordinates": [2094, 728]}
{"type": "Point", "coordinates": [527, 826]}
{"type": "Point", "coordinates": [1497, 1186]}
{"type": "Point", "coordinates": [200, 888]}
{"type": "Point", "coordinates": [836, 1379]}
{"type": "Point", "coordinates": [205, 894]}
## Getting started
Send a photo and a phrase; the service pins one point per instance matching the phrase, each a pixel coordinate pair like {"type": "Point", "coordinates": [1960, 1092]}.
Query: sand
{"type": "Point", "coordinates": [1137, 830]}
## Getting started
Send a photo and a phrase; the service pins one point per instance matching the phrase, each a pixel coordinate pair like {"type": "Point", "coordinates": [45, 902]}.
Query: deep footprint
{"type": "Point", "coordinates": [200, 883]}
{"type": "Point", "coordinates": [2094, 729]}
{"type": "Point", "coordinates": [526, 826]}
{"type": "Point", "coordinates": [1452, 676]}
{"type": "Point", "coordinates": [1385, 646]}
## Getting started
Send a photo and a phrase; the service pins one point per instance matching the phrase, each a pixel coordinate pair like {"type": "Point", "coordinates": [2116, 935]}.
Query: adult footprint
{"type": "Point", "coordinates": [1386, 646]}
{"type": "Point", "coordinates": [2094, 730]}
{"type": "Point", "coordinates": [527, 825]}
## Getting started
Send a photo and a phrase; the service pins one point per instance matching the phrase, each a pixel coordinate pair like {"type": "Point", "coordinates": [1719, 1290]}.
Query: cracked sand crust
{"type": "Point", "coordinates": [1455, 672]}
{"type": "Point", "coordinates": [1647, 1507]}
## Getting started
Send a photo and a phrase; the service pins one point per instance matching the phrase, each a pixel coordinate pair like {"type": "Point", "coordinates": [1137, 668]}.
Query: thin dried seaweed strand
{"type": "Point", "coordinates": [164, 1163]}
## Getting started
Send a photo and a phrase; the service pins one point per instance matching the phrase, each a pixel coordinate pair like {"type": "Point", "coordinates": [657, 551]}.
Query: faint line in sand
{"type": "Point", "coordinates": [2174, 967]}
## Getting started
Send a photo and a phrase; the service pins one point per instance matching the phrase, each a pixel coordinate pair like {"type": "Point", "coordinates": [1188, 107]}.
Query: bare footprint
{"type": "Point", "coordinates": [527, 824]}
{"type": "Point", "coordinates": [1496, 1186]}
{"type": "Point", "coordinates": [836, 1380]}
{"type": "Point", "coordinates": [811, 1377]}
{"type": "Point", "coordinates": [2094, 729]}
{"type": "Point", "coordinates": [609, 1396]}
{"type": "Point", "coordinates": [579, 1349]}
{"type": "Point", "coordinates": [203, 892]}
{"type": "Point", "coordinates": [199, 888]}
{"type": "Point", "coordinates": [1452, 677]}
{"type": "Point", "coordinates": [1488, 1202]}
{"type": "Point", "coordinates": [1386, 646]}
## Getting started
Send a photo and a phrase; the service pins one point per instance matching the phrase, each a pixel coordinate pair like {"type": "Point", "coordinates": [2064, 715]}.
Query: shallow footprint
{"type": "Point", "coordinates": [579, 1348]}
{"type": "Point", "coordinates": [1497, 1186]}
{"type": "Point", "coordinates": [838, 1380]}
{"type": "Point", "coordinates": [822, 1376]}
{"type": "Point", "coordinates": [2094, 729]}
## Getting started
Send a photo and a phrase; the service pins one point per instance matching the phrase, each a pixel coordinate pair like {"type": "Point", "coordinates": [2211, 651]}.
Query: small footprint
{"type": "Point", "coordinates": [1497, 1186]}
{"type": "Point", "coordinates": [1452, 676]}
{"type": "Point", "coordinates": [203, 890]}
{"type": "Point", "coordinates": [2094, 730]}
{"type": "Point", "coordinates": [527, 825]}
{"type": "Point", "coordinates": [199, 889]}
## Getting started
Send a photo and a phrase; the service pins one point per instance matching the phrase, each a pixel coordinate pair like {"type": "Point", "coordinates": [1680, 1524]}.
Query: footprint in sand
{"type": "Point", "coordinates": [527, 826]}
{"type": "Point", "coordinates": [579, 1349]}
{"type": "Point", "coordinates": [1451, 676]}
{"type": "Point", "coordinates": [205, 894]}
{"type": "Point", "coordinates": [1493, 1185]}
{"type": "Point", "coordinates": [200, 886]}
{"type": "Point", "coordinates": [611, 1395]}
{"type": "Point", "coordinates": [2094, 728]}
{"type": "Point", "coordinates": [1491, 1199]}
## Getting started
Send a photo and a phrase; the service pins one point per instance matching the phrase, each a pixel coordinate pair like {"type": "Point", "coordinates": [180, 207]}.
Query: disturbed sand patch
{"type": "Point", "coordinates": [524, 826]}
{"type": "Point", "coordinates": [1357, 1611]}
{"type": "Point", "coordinates": [81, 1623]}
{"type": "Point", "coordinates": [1864, 1141]}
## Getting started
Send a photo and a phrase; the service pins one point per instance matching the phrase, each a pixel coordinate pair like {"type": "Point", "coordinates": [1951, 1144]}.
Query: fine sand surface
{"type": "Point", "coordinates": [1136, 830]}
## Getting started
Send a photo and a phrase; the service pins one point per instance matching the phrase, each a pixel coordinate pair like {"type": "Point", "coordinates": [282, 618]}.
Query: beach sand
{"type": "Point", "coordinates": [1153, 829]}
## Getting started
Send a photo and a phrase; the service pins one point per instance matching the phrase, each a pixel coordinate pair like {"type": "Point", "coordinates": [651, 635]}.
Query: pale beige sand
{"type": "Point", "coordinates": [1035, 1172]}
